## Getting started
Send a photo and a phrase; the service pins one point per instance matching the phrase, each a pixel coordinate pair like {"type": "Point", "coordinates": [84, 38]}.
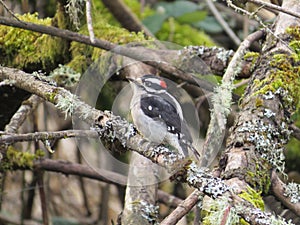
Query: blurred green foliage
{"type": "Point", "coordinates": [178, 22]}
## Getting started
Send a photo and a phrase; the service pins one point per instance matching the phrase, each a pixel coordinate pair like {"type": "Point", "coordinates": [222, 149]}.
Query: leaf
{"type": "Point", "coordinates": [209, 25]}
{"type": "Point", "coordinates": [192, 17]}
{"type": "Point", "coordinates": [154, 22]}
{"type": "Point", "coordinates": [178, 8]}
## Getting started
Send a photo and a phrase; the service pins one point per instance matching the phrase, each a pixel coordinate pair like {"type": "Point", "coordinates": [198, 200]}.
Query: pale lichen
{"type": "Point", "coordinates": [218, 209]}
{"type": "Point", "coordinates": [292, 190]}
{"type": "Point", "coordinates": [265, 218]}
{"type": "Point", "coordinates": [268, 139]}
{"type": "Point", "coordinates": [66, 104]}
{"type": "Point", "coordinates": [65, 76]}
{"type": "Point", "coordinates": [149, 212]}
{"type": "Point", "coordinates": [198, 177]}
{"type": "Point", "coordinates": [115, 128]}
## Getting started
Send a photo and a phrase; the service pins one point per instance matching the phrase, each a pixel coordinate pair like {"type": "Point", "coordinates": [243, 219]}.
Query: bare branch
{"type": "Point", "coordinates": [9, 138]}
{"type": "Point", "coordinates": [124, 15]}
{"type": "Point", "coordinates": [89, 20]}
{"type": "Point", "coordinates": [182, 209]}
{"type": "Point", "coordinates": [223, 23]}
{"type": "Point", "coordinates": [278, 190]}
{"type": "Point", "coordinates": [8, 10]}
{"type": "Point", "coordinates": [275, 7]}
{"type": "Point", "coordinates": [43, 197]}
{"type": "Point", "coordinates": [70, 168]}
{"type": "Point", "coordinates": [19, 117]}
{"type": "Point", "coordinates": [296, 131]}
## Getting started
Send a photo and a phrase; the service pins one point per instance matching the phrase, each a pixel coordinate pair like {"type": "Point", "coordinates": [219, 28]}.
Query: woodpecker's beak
{"type": "Point", "coordinates": [137, 81]}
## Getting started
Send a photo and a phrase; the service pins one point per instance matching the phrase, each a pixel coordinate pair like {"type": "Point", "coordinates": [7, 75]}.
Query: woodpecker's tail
{"type": "Point", "coordinates": [188, 147]}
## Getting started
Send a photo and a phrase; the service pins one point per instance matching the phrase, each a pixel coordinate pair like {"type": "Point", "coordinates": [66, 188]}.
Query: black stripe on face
{"type": "Point", "coordinates": [152, 83]}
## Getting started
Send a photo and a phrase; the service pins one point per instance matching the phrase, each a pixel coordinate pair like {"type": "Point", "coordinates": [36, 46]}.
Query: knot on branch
{"type": "Point", "coordinates": [114, 128]}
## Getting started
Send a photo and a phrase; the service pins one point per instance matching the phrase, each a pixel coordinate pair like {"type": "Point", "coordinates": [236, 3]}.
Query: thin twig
{"type": "Point", "coordinates": [83, 186]}
{"type": "Point", "coordinates": [70, 168]}
{"type": "Point", "coordinates": [243, 82]}
{"type": "Point", "coordinates": [223, 23]}
{"type": "Point", "coordinates": [9, 11]}
{"type": "Point", "coordinates": [256, 17]}
{"type": "Point", "coordinates": [275, 7]}
{"type": "Point", "coordinates": [9, 138]}
{"type": "Point", "coordinates": [43, 198]}
{"type": "Point", "coordinates": [296, 131]}
{"type": "Point", "coordinates": [238, 56]}
{"type": "Point", "coordinates": [89, 20]}
{"type": "Point", "coordinates": [126, 17]}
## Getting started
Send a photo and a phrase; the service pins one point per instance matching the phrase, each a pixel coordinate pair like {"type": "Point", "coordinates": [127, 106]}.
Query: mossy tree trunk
{"type": "Point", "coordinates": [256, 143]}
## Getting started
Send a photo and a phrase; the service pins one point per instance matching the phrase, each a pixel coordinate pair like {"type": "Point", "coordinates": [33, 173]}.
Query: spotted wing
{"type": "Point", "coordinates": [159, 108]}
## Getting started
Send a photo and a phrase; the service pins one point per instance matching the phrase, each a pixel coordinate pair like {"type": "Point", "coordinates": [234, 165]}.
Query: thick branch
{"type": "Point", "coordinates": [261, 129]}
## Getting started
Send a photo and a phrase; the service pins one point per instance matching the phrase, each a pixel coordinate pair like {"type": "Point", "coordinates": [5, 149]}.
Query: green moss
{"type": "Point", "coordinates": [260, 179]}
{"type": "Point", "coordinates": [106, 28]}
{"type": "Point", "coordinates": [136, 8]}
{"type": "Point", "coordinates": [51, 96]}
{"type": "Point", "coordinates": [258, 102]}
{"type": "Point", "coordinates": [27, 50]}
{"type": "Point", "coordinates": [253, 56]}
{"type": "Point", "coordinates": [183, 34]}
{"type": "Point", "coordinates": [253, 197]}
{"type": "Point", "coordinates": [285, 75]}
{"type": "Point", "coordinates": [20, 159]}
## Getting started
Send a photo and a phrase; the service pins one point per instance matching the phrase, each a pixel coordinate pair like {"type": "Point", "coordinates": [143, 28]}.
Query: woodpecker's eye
{"type": "Point", "coordinates": [148, 83]}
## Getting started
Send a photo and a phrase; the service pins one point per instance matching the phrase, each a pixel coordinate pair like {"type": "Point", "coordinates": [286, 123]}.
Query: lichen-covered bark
{"type": "Point", "coordinates": [256, 143]}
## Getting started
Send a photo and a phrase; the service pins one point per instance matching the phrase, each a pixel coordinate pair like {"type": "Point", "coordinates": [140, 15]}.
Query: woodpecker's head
{"type": "Point", "coordinates": [150, 83]}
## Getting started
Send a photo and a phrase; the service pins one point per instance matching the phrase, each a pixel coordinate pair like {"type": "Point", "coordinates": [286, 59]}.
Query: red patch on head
{"type": "Point", "coordinates": [163, 84]}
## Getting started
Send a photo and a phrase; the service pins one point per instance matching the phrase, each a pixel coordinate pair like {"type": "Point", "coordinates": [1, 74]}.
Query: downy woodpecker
{"type": "Point", "coordinates": [158, 115]}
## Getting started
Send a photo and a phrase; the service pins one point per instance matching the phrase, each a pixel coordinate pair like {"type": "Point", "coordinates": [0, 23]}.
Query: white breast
{"type": "Point", "coordinates": [153, 130]}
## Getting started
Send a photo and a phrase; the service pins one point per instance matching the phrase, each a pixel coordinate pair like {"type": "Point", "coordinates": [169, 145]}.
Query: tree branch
{"type": "Point", "coordinates": [125, 17]}
{"type": "Point", "coordinates": [9, 138]}
{"type": "Point", "coordinates": [276, 7]}
{"type": "Point", "coordinates": [279, 191]}
{"type": "Point", "coordinates": [223, 23]}
{"type": "Point", "coordinates": [182, 209]}
{"type": "Point", "coordinates": [19, 117]}
{"type": "Point", "coordinates": [70, 168]}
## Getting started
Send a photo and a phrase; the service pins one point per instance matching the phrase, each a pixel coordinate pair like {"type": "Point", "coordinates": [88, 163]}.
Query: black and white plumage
{"type": "Point", "coordinates": [158, 115]}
